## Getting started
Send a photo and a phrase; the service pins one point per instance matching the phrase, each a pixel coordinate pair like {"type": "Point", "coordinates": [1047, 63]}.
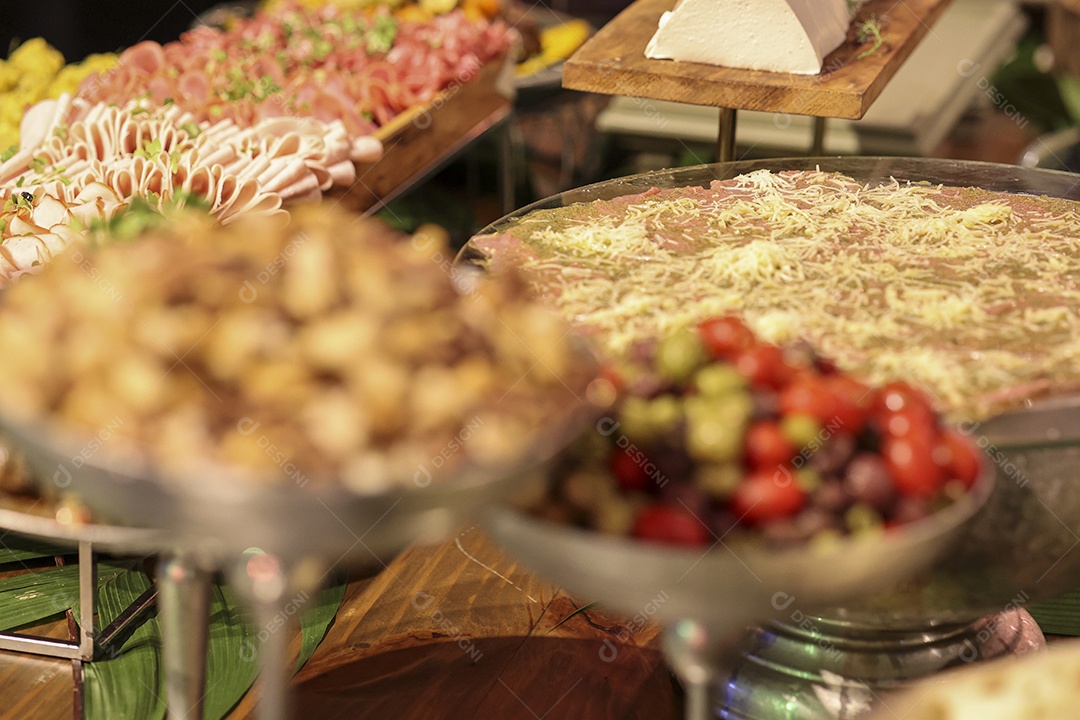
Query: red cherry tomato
{"type": "Point", "coordinates": [767, 446]}
{"type": "Point", "coordinates": [763, 366]}
{"type": "Point", "coordinates": [629, 471]}
{"type": "Point", "coordinates": [897, 396]}
{"type": "Point", "coordinates": [670, 524]}
{"type": "Point", "coordinates": [911, 462]}
{"type": "Point", "coordinates": [766, 495]}
{"type": "Point", "coordinates": [809, 395]}
{"type": "Point", "coordinates": [911, 421]}
{"type": "Point", "coordinates": [853, 401]}
{"type": "Point", "coordinates": [959, 458]}
{"type": "Point", "coordinates": [726, 336]}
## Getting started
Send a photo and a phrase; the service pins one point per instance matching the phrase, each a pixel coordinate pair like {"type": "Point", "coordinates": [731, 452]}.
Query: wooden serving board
{"type": "Point", "coordinates": [613, 62]}
{"type": "Point", "coordinates": [418, 141]}
{"type": "Point", "coordinates": [460, 631]}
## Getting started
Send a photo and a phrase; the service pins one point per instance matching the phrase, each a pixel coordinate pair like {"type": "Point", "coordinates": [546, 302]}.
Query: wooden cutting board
{"type": "Point", "coordinates": [420, 140]}
{"type": "Point", "coordinates": [613, 62]}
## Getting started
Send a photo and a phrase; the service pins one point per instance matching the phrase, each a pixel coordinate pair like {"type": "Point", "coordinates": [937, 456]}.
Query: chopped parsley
{"type": "Point", "coordinates": [150, 149]}
{"type": "Point", "coordinates": [382, 35]}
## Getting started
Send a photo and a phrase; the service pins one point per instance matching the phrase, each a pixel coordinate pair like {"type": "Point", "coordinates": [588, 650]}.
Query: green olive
{"type": "Point", "coordinates": [735, 408]}
{"type": "Point", "coordinates": [800, 429]}
{"type": "Point", "coordinates": [713, 438]}
{"type": "Point", "coordinates": [679, 355]}
{"type": "Point", "coordinates": [664, 413]}
{"type": "Point", "coordinates": [635, 418]}
{"type": "Point", "coordinates": [713, 380]}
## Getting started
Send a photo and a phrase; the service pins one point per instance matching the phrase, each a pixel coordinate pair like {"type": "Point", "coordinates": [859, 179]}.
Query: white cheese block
{"type": "Point", "coordinates": [791, 36]}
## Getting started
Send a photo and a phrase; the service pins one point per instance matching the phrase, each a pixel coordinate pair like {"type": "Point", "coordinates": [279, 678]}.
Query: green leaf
{"type": "Point", "coordinates": [132, 684]}
{"type": "Point", "coordinates": [16, 548]}
{"type": "Point", "coordinates": [316, 618]}
{"type": "Point", "coordinates": [35, 596]}
{"type": "Point", "coordinates": [232, 658]}
{"type": "Point", "coordinates": [1060, 615]}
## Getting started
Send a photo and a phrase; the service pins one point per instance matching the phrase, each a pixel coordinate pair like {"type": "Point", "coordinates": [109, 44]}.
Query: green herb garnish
{"type": "Point", "coordinates": [382, 35]}
{"type": "Point", "coordinates": [870, 30]}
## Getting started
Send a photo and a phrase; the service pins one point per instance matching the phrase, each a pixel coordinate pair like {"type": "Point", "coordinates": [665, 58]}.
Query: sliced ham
{"type": "Point", "coordinates": [147, 56]}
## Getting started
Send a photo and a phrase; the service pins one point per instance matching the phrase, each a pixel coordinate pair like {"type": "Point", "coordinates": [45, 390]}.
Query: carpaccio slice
{"type": "Point", "coordinates": [970, 293]}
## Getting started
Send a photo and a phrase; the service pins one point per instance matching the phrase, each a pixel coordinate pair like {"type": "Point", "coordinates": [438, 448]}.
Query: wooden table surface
{"type": "Point", "coordinates": [613, 62]}
{"type": "Point", "coordinates": [457, 630]}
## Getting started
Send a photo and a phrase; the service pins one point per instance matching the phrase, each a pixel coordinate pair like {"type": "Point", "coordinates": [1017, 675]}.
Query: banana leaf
{"type": "Point", "coordinates": [1059, 616]}
{"type": "Point", "coordinates": [315, 620]}
{"type": "Point", "coordinates": [33, 597]}
{"type": "Point", "coordinates": [16, 548]}
{"type": "Point", "coordinates": [131, 684]}
{"type": "Point", "coordinates": [232, 662]}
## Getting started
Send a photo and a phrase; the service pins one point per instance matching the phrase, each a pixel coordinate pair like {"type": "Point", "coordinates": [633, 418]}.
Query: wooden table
{"type": "Point", "coordinates": [453, 631]}
{"type": "Point", "coordinates": [613, 62]}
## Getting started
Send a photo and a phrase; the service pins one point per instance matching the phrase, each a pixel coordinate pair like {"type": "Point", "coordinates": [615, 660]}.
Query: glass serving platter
{"type": "Point", "coordinates": [1021, 546]}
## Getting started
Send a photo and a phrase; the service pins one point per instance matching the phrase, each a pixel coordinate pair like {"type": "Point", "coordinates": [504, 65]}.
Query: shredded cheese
{"type": "Point", "coordinates": [967, 292]}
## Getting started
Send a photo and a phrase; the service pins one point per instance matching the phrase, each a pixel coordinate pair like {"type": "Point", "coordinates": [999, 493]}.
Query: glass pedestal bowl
{"type": "Point", "coordinates": [819, 657]}
{"type": "Point", "coordinates": [214, 519]}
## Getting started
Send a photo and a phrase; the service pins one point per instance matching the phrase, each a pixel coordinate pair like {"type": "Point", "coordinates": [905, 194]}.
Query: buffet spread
{"type": "Point", "coordinates": [735, 387]}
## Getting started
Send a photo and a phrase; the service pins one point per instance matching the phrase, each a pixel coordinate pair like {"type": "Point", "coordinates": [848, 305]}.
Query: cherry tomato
{"type": "Point", "coordinates": [763, 366]}
{"type": "Point", "coordinates": [672, 524]}
{"type": "Point", "coordinates": [853, 402]}
{"type": "Point", "coordinates": [767, 446]}
{"type": "Point", "coordinates": [897, 396]}
{"type": "Point", "coordinates": [809, 395]}
{"type": "Point", "coordinates": [766, 495]}
{"type": "Point", "coordinates": [908, 422]}
{"type": "Point", "coordinates": [726, 336]}
{"type": "Point", "coordinates": [629, 471]}
{"type": "Point", "coordinates": [960, 458]}
{"type": "Point", "coordinates": [912, 465]}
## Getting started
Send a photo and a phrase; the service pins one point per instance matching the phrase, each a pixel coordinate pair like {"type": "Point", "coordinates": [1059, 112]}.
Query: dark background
{"type": "Point", "coordinates": [80, 27]}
